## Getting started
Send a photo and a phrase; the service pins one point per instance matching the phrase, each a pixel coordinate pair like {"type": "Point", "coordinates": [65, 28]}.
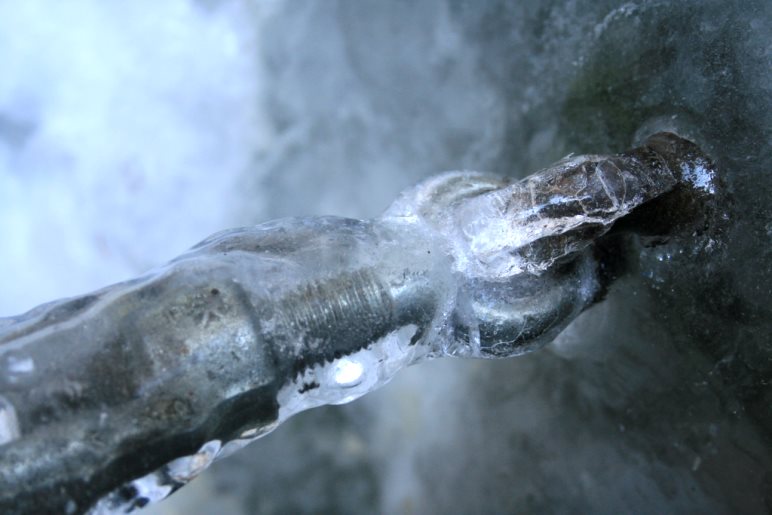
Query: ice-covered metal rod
{"type": "Point", "coordinates": [114, 399]}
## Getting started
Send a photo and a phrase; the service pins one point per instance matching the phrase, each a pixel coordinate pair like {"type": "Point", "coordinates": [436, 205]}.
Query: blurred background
{"type": "Point", "coordinates": [129, 131]}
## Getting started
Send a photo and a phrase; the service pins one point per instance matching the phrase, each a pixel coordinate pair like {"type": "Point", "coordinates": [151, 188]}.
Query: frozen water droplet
{"type": "Point", "coordinates": [186, 468]}
{"type": "Point", "coordinates": [348, 372]}
{"type": "Point", "coordinates": [9, 423]}
{"type": "Point", "coordinates": [150, 488]}
{"type": "Point", "coordinates": [156, 485]}
{"type": "Point", "coordinates": [250, 433]}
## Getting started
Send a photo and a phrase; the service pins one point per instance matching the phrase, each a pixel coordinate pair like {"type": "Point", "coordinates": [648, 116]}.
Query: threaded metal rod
{"type": "Point", "coordinates": [115, 399]}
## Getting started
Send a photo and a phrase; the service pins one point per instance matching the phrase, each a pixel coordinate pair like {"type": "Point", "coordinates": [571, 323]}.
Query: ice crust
{"type": "Point", "coordinates": [322, 310]}
{"type": "Point", "coordinates": [126, 134]}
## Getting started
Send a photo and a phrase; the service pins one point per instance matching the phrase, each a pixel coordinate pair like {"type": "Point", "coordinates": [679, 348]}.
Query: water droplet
{"type": "Point", "coordinates": [250, 433]}
{"type": "Point", "coordinates": [186, 468]}
{"type": "Point", "coordinates": [146, 489]}
{"type": "Point", "coordinates": [348, 372]}
{"type": "Point", "coordinates": [152, 488]}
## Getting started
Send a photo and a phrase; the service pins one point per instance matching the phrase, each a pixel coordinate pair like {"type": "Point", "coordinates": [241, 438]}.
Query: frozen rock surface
{"type": "Point", "coordinates": [128, 133]}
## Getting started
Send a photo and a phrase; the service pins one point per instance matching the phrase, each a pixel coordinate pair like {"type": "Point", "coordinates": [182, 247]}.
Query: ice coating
{"type": "Point", "coordinates": [190, 362]}
{"type": "Point", "coordinates": [499, 229]}
{"type": "Point", "coordinates": [158, 484]}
